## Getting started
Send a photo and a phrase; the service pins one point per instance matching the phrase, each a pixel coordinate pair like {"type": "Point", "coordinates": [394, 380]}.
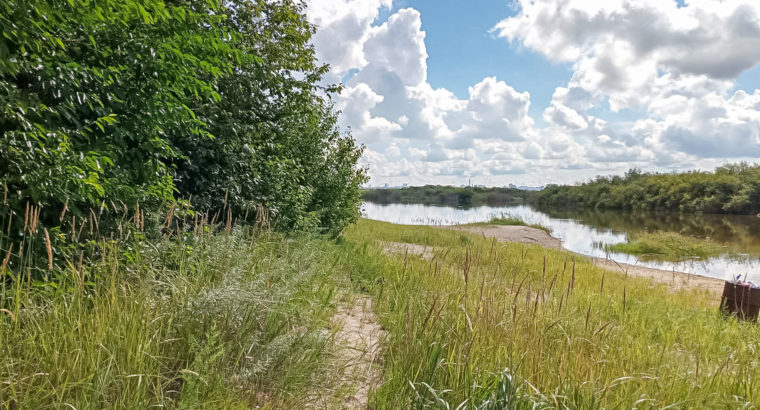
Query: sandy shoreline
{"type": "Point", "coordinates": [526, 234]}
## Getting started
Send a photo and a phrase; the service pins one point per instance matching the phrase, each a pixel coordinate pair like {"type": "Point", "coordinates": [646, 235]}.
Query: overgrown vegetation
{"type": "Point", "coordinates": [731, 189]}
{"type": "Point", "coordinates": [509, 220]}
{"type": "Point", "coordinates": [449, 195]}
{"type": "Point", "coordinates": [235, 319]}
{"type": "Point", "coordinates": [484, 324]}
{"type": "Point", "coordinates": [113, 102]}
{"type": "Point", "coordinates": [669, 246]}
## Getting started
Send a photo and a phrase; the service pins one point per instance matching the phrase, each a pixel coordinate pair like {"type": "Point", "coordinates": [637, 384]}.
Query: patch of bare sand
{"type": "Point", "coordinates": [407, 248]}
{"type": "Point", "coordinates": [525, 234]}
{"type": "Point", "coordinates": [509, 233]}
{"type": "Point", "coordinates": [358, 338]}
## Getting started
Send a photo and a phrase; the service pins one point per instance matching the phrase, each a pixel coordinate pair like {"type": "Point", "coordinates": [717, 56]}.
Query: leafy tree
{"type": "Point", "coordinates": [276, 142]}
{"type": "Point", "coordinates": [733, 188]}
{"type": "Point", "coordinates": [91, 90]}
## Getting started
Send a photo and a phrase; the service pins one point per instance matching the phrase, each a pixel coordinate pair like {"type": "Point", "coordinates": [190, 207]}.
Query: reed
{"type": "Point", "coordinates": [543, 329]}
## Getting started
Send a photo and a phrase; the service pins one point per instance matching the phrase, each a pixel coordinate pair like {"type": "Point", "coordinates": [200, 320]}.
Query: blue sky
{"type": "Point", "coordinates": [553, 91]}
{"type": "Point", "coordinates": [462, 51]}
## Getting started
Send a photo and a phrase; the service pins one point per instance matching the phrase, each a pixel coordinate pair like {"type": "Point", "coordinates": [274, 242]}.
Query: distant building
{"type": "Point", "coordinates": [513, 186]}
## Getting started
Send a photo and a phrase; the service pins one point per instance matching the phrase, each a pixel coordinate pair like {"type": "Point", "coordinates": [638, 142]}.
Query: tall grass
{"type": "Point", "coordinates": [509, 220]}
{"type": "Point", "coordinates": [484, 324]}
{"type": "Point", "coordinates": [233, 319]}
{"type": "Point", "coordinates": [669, 246]}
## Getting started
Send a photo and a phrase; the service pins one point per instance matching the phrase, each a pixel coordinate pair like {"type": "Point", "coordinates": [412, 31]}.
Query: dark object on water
{"type": "Point", "coordinates": [742, 300]}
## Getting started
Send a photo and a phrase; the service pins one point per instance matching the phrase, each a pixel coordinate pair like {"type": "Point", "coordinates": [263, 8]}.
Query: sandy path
{"type": "Point", "coordinates": [526, 234]}
{"type": "Point", "coordinates": [359, 336]}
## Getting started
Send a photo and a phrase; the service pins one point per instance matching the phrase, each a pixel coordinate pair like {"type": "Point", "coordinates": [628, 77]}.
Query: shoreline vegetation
{"type": "Point", "coordinates": [450, 196]}
{"type": "Point", "coordinates": [509, 220]}
{"type": "Point", "coordinates": [669, 246]}
{"type": "Point", "coordinates": [730, 189]}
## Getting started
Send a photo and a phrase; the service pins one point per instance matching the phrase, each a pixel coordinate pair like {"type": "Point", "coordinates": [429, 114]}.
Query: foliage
{"type": "Point", "coordinates": [448, 195]}
{"type": "Point", "coordinates": [91, 89]}
{"type": "Point", "coordinates": [569, 334]}
{"type": "Point", "coordinates": [112, 103]}
{"type": "Point", "coordinates": [275, 142]}
{"type": "Point", "coordinates": [731, 189]}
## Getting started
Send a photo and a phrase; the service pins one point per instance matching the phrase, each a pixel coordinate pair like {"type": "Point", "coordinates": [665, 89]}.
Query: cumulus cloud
{"type": "Point", "coordinates": [675, 66]}
{"type": "Point", "coordinates": [672, 69]}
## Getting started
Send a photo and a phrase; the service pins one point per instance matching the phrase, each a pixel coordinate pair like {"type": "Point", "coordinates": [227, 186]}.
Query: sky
{"type": "Point", "coordinates": [535, 92]}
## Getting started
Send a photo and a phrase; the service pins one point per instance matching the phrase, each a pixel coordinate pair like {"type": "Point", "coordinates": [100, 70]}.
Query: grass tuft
{"type": "Point", "coordinates": [668, 246]}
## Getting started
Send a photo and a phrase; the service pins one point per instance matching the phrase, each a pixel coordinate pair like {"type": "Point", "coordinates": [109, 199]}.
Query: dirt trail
{"type": "Point", "coordinates": [399, 248]}
{"type": "Point", "coordinates": [525, 234]}
{"type": "Point", "coordinates": [358, 339]}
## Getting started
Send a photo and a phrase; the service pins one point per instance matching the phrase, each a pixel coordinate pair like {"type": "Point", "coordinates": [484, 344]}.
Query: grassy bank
{"type": "Point", "coordinates": [210, 321]}
{"type": "Point", "coordinates": [508, 220]}
{"type": "Point", "coordinates": [498, 325]}
{"type": "Point", "coordinates": [238, 320]}
{"type": "Point", "coordinates": [668, 246]}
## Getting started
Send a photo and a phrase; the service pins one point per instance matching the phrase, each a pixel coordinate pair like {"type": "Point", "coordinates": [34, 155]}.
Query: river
{"type": "Point", "coordinates": [586, 232]}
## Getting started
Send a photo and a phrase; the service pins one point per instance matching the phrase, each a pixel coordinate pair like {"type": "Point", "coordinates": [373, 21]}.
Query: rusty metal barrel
{"type": "Point", "coordinates": [741, 300]}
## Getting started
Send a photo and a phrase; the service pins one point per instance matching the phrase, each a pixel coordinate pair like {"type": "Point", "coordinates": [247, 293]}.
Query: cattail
{"type": "Point", "coordinates": [601, 287]}
{"type": "Point", "coordinates": [49, 249]}
{"type": "Point", "coordinates": [65, 207]}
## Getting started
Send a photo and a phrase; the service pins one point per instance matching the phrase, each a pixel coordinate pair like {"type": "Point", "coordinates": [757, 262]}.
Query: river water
{"type": "Point", "coordinates": [586, 232]}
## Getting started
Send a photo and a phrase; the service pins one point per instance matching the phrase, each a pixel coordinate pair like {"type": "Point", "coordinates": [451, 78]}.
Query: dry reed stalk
{"type": "Point", "coordinates": [228, 225]}
{"type": "Point", "coordinates": [49, 249]}
{"type": "Point", "coordinates": [429, 314]}
{"type": "Point", "coordinates": [623, 298]}
{"type": "Point", "coordinates": [170, 216]}
{"type": "Point", "coordinates": [26, 216]}
{"type": "Point", "coordinates": [601, 287]}
{"type": "Point", "coordinates": [137, 216]}
{"type": "Point", "coordinates": [7, 258]}
{"type": "Point", "coordinates": [9, 313]}
{"type": "Point", "coordinates": [96, 219]}
{"type": "Point", "coordinates": [34, 218]}
{"type": "Point", "coordinates": [65, 208]}
{"type": "Point", "coordinates": [588, 315]}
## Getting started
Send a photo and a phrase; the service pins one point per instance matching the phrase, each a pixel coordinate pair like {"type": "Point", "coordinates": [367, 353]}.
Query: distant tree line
{"type": "Point", "coordinates": [115, 103]}
{"type": "Point", "coordinates": [448, 195]}
{"type": "Point", "coordinates": [730, 189]}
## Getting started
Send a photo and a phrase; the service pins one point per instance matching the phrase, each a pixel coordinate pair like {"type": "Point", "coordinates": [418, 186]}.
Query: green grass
{"type": "Point", "coordinates": [669, 246]}
{"type": "Point", "coordinates": [220, 321]}
{"type": "Point", "coordinates": [495, 325]}
{"type": "Point", "coordinates": [509, 220]}
{"type": "Point", "coordinates": [243, 320]}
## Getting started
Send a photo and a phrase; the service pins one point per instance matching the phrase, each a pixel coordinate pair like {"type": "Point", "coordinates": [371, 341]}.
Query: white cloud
{"type": "Point", "coordinates": [670, 69]}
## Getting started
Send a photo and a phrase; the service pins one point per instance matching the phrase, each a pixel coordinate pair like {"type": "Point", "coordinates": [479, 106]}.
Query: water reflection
{"type": "Point", "coordinates": [582, 232]}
